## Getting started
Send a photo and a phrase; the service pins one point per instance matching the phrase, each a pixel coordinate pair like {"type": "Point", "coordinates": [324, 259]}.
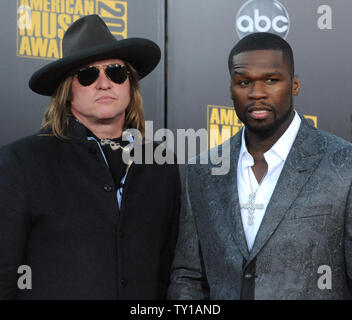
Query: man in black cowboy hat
{"type": "Point", "coordinates": [85, 223]}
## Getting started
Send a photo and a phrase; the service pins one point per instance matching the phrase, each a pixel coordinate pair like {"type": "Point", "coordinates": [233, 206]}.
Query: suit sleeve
{"type": "Point", "coordinates": [12, 223]}
{"type": "Point", "coordinates": [348, 239]}
{"type": "Point", "coordinates": [188, 279]}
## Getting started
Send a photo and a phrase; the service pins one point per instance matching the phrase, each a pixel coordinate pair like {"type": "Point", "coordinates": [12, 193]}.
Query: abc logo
{"type": "Point", "coordinates": [262, 16]}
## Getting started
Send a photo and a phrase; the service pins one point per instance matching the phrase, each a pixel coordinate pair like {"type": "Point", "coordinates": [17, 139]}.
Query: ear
{"type": "Point", "coordinates": [296, 85]}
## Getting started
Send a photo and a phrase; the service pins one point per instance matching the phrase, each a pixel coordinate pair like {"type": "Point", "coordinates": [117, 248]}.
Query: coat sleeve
{"type": "Point", "coordinates": [171, 231]}
{"type": "Point", "coordinates": [12, 223]}
{"type": "Point", "coordinates": [188, 279]}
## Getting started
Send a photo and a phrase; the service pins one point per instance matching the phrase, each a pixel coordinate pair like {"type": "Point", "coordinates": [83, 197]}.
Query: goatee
{"type": "Point", "coordinates": [266, 131]}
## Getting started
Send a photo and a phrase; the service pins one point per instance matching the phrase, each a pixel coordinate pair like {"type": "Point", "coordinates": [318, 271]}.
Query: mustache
{"type": "Point", "coordinates": [252, 104]}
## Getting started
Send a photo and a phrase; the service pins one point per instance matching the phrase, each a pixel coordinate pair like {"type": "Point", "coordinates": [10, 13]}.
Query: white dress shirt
{"type": "Point", "coordinates": [247, 182]}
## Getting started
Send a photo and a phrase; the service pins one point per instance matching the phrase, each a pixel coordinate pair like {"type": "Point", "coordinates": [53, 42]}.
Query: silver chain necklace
{"type": "Point", "coordinates": [116, 145]}
{"type": "Point", "coordinates": [251, 206]}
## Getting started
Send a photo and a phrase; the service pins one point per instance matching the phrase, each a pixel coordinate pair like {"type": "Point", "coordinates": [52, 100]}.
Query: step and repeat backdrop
{"type": "Point", "coordinates": [31, 35]}
{"type": "Point", "coordinates": [190, 87]}
{"type": "Point", "coordinates": [202, 32]}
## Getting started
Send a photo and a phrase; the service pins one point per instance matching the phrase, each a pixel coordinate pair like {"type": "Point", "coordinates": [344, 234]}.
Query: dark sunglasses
{"type": "Point", "coordinates": [115, 72]}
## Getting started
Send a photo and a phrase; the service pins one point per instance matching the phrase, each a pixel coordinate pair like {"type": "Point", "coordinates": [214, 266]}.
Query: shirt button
{"type": "Point", "coordinates": [107, 188]}
{"type": "Point", "coordinates": [123, 282]}
{"type": "Point", "coordinates": [248, 276]}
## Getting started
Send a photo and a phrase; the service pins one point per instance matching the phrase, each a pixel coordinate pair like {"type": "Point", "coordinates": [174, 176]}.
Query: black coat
{"type": "Point", "coordinates": [59, 215]}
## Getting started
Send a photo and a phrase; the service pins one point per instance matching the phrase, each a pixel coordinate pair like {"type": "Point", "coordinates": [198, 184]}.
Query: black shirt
{"type": "Point", "coordinates": [114, 158]}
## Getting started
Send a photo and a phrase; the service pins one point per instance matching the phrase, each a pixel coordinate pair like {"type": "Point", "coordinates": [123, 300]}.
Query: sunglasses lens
{"type": "Point", "coordinates": [116, 73]}
{"type": "Point", "coordinates": [87, 76]}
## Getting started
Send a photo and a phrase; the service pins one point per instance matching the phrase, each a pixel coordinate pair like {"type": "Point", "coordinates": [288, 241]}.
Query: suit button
{"type": "Point", "coordinates": [107, 188]}
{"type": "Point", "coordinates": [248, 276]}
{"type": "Point", "coordinates": [121, 235]}
{"type": "Point", "coordinates": [123, 282]}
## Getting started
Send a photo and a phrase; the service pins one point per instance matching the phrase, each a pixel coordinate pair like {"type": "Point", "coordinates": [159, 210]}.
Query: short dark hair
{"type": "Point", "coordinates": [264, 41]}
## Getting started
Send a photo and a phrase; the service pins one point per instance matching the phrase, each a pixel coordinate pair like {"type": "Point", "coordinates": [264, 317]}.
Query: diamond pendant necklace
{"type": "Point", "coordinates": [251, 206]}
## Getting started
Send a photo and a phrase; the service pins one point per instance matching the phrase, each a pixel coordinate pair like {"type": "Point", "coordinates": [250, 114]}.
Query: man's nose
{"type": "Point", "coordinates": [103, 82]}
{"type": "Point", "coordinates": [257, 90]}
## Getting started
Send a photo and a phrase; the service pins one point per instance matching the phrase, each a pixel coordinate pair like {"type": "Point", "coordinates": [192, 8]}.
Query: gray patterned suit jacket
{"type": "Point", "coordinates": [307, 224]}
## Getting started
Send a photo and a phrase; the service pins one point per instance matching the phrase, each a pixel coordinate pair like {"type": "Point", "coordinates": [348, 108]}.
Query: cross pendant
{"type": "Point", "coordinates": [251, 206]}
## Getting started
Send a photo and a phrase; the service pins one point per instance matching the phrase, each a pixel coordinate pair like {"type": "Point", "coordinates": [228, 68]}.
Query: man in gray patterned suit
{"type": "Point", "coordinates": [278, 225]}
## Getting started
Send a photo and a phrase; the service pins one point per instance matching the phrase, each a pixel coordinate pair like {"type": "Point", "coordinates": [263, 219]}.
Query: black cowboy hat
{"type": "Point", "coordinates": [88, 39]}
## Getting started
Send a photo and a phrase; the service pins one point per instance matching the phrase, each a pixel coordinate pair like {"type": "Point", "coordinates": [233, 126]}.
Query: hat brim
{"type": "Point", "coordinates": [143, 54]}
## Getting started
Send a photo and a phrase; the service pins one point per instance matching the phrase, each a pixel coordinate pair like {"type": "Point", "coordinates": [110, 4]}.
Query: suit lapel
{"type": "Point", "coordinates": [239, 234]}
{"type": "Point", "coordinates": [304, 157]}
{"type": "Point", "coordinates": [234, 215]}
{"type": "Point", "coordinates": [222, 195]}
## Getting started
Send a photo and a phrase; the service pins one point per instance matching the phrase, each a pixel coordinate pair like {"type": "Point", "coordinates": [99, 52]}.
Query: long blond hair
{"type": "Point", "coordinates": [58, 112]}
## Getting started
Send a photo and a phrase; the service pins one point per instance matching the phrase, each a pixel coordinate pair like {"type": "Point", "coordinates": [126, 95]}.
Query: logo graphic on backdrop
{"type": "Point", "coordinates": [223, 123]}
{"type": "Point", "coordinates": [41, 23]}
{"type": "Point", "coordinates": [262, 16]}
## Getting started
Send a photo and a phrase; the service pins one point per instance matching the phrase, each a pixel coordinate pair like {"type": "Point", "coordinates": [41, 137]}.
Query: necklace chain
{"type": "Point", "coordinates": [126, 136]}
{"type": "Point", "coordinates": [259, 183]}
{"type": "Point", "coordinates": [115, 145]}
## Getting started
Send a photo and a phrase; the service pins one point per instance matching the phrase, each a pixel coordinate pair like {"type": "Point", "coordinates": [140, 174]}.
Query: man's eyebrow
{"type": "Point", "coordinates": [238, 73]}
{"type": "Point", "coordinates": [275, 73]}
{"type": "Point", "coordinates": [267, 74]}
